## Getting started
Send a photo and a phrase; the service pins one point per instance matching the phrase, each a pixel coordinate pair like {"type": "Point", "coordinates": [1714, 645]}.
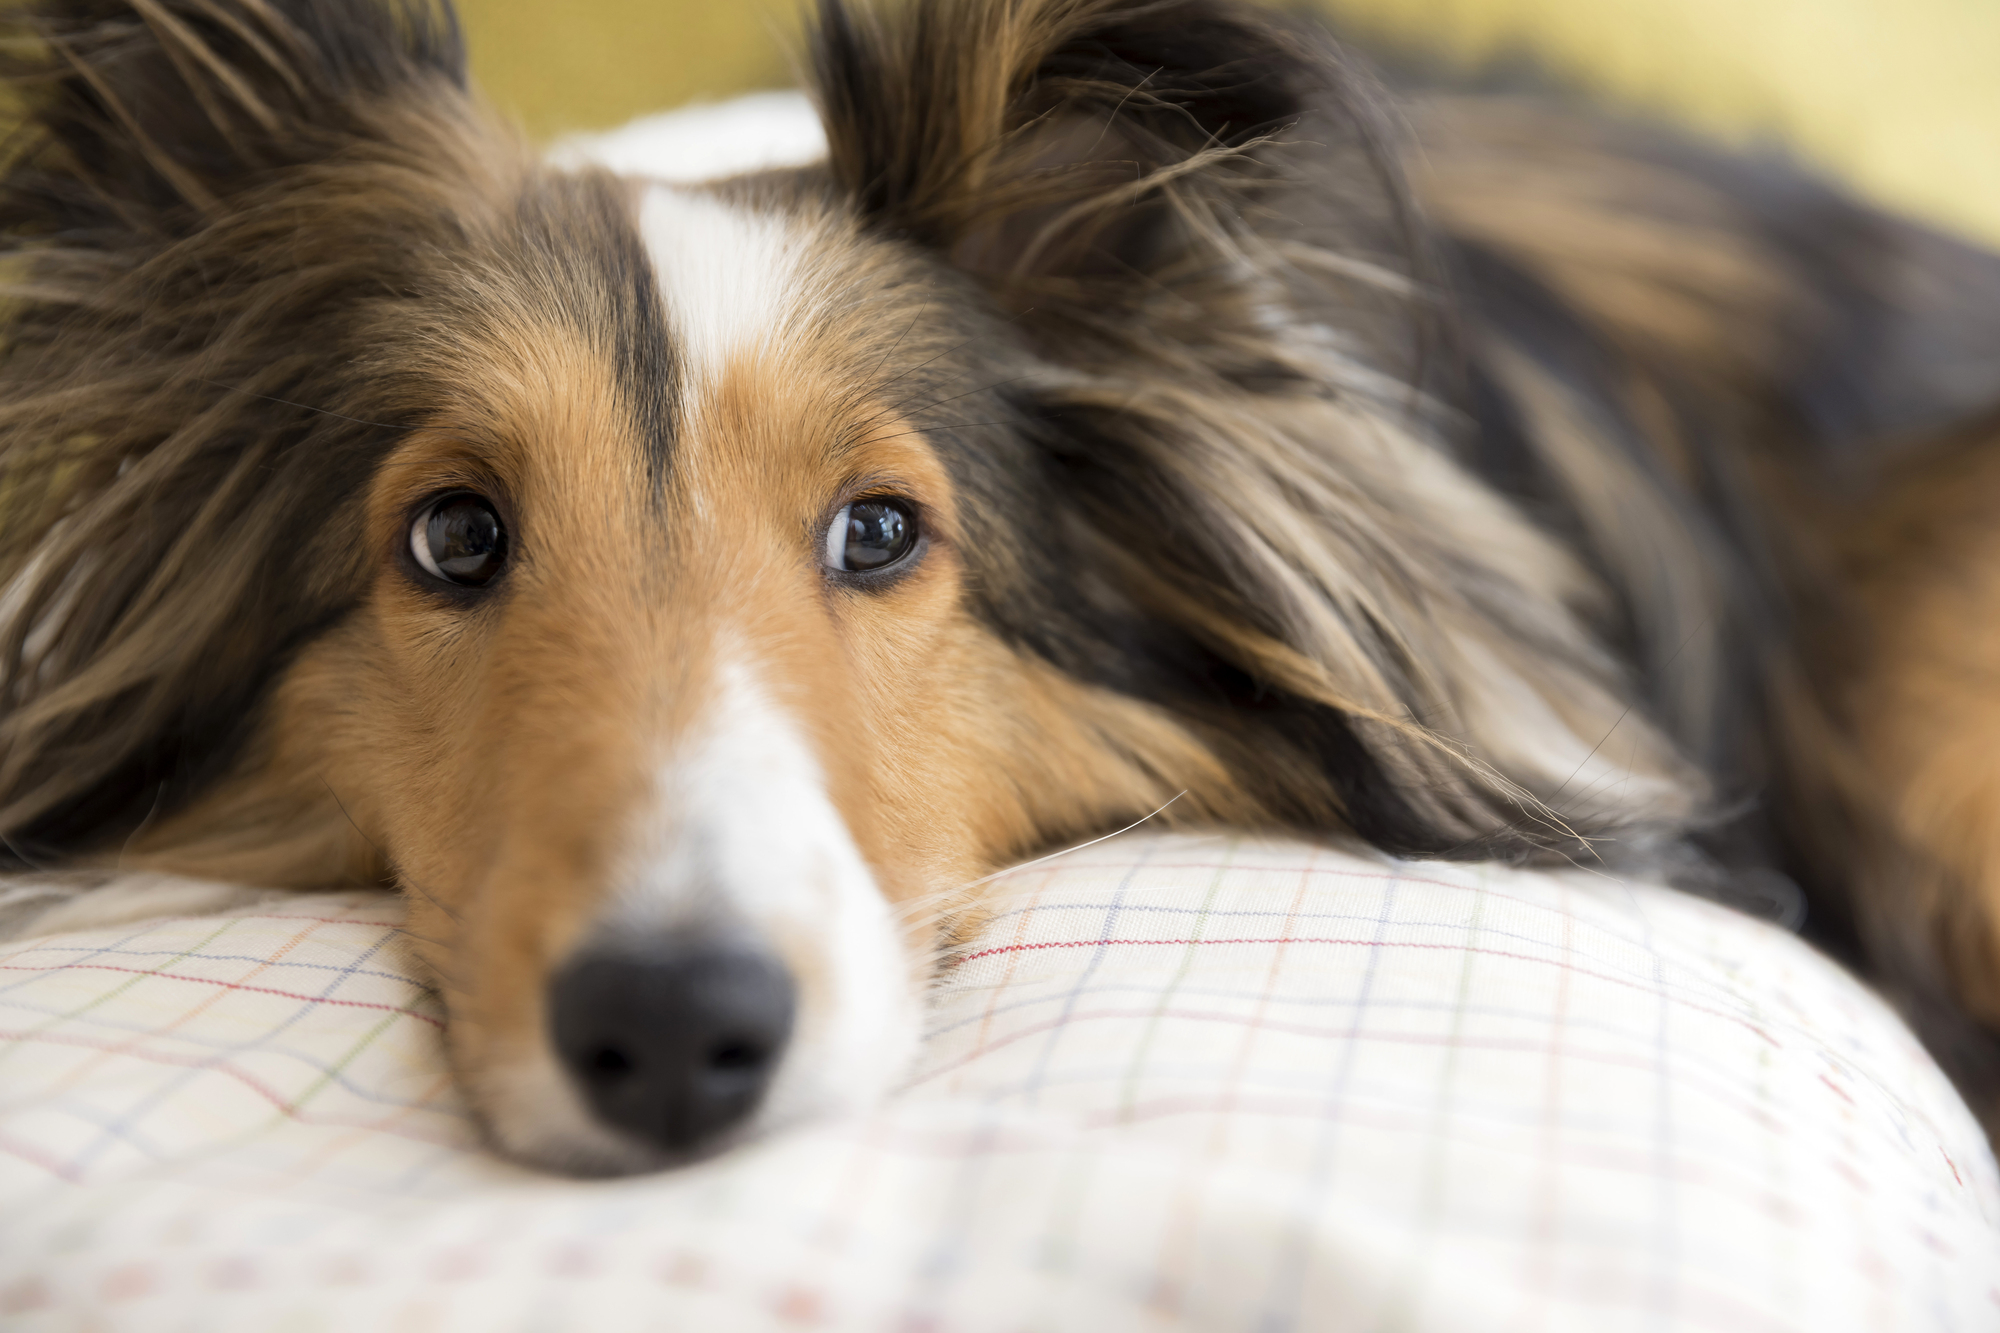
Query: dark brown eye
{"type": "Point", "coordinates": [459, 538]}
{"type": "Point", "coordinates": [869, 535]}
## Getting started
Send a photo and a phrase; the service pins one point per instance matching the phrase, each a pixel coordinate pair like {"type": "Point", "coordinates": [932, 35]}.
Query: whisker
{"type": "Point", "coordinates": [901, 404]}
{"type": "Point", "coordinates": [158, 792]}
{"type": "Point", "coordinates": [15, 849]}
{"type": "Point", "coordinates": [984, 388]}
{"type": "Point", "coordinates": [911, 370]}
{"type": "Point", "coordinates": [401, 876]}
{"type": "Point", "coordinates": [987, 879]}
{"type": "Point", "coordinates": [937, 903]}
{"type": "Point", "coordinates": [908, 371]}
{"type": "Point", "coordinates": [924, 430]}
{"type": "Point", "coordinates": [422, 938]}
{"type": "Point", "coordinates": [303, 407]}
{"type": "Point", "coordinates": [439, 979]}
{"type": "Point", "coordinates": [898, 343]}
{"type": "Point", "coordinates": [1610, 731]}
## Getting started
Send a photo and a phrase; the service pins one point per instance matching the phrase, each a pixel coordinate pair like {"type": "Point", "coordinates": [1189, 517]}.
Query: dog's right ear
{"type": "Point", "coordinates": [151, 116]}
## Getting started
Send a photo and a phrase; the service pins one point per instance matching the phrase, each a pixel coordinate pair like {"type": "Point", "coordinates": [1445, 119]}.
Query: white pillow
{"type": "Point", "coordinates": [691, 144]}
{"type": "Point", "coordinates": [1178, 1083]}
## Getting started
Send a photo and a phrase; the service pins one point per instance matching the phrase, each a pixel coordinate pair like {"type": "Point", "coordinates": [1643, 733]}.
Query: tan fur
{"type": "Point", "coordinates": [1663, 263]}
{"type": "Point", "coordinates": [1924, 699]}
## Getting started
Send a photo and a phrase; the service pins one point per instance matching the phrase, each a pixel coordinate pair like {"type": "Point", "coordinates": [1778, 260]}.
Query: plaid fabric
{"type": "Point", "coordinates": [1178, 1083]}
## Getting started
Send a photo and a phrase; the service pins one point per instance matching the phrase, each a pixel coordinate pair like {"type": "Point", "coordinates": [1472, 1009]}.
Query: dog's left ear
{"type": "Point", "coordinates": [1065, 146]}
{"type": "Point", "coordinates": [1247, 511]}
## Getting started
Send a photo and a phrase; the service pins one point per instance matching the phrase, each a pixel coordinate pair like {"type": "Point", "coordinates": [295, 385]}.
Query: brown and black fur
{"type": "Point", "coordinates": [1849, 499]}
{"type": "Point", "coordinates": [1453, 474]}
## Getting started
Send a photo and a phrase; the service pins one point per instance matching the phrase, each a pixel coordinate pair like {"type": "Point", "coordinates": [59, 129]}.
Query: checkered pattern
{"type": "Point", "coordinates": [1178, 1083]}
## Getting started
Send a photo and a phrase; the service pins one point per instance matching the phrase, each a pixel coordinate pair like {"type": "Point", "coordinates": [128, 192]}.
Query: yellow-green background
{"type": "Point", "coordinates": [1901, 97]}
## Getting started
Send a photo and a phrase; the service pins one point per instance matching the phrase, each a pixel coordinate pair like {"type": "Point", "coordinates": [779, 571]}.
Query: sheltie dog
{"type": "Point", "coordinates": [687, 594]}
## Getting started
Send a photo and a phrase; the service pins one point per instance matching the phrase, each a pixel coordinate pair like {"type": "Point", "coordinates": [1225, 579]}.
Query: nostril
{"type": "Point", "coordinates": [673, 1039]}
{"type": "Point", "coordinates": [736, 1056]}
{"type": "Point", "coordinates": [609, 1061]}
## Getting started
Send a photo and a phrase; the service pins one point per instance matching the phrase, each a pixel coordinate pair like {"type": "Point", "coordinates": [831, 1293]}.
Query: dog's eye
{"type": "Point", "coordinates": [869, 535]}
{"type": "Point", "coordinates": [458, 538]}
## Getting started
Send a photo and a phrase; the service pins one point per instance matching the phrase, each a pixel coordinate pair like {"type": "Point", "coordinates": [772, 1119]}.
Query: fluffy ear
{"type": "Point", "coordinates": [1189, 211]}
{"type": "Point", "coordinates": [1076, 146]}
{"type": "Point", "coordinates": [204, 205]}
{"type": "Point", "coordinates": [155, 114]}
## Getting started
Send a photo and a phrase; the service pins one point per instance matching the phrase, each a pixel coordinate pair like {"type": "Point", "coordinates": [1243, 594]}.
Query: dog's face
{"type": "Point", "coordinates": [642, 695]}
{"type": "Point", "coordinates": [665, 689]}
{"type": "Point", "coordinates": [684, 593]}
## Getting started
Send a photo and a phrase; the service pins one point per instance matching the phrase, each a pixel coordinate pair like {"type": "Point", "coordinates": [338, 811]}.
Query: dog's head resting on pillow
{"type": "Point", "coordinates": [680, 592]}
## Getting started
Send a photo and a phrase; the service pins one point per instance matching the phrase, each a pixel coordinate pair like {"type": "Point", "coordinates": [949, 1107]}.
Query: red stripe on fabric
{"type": "Point", "coordinates": [392, 1114]}
{"type": "Point", "coordinates": [35, 1156]}
{"type": "Point", "coordinates": [229, 985]}
{"type": "Point", "coordinates": [1092, 944]}
{"type": "Point", "coordinates": [52, 943]}
{"type": "Point", "coordinates": [1395, 944]}
{"type": "Point", "coordinates": [1400, 875]}
{"type": "Point", "coordinates": [1718, 1088]}
{"type": "Point", "coordinates": [1722, 1176]}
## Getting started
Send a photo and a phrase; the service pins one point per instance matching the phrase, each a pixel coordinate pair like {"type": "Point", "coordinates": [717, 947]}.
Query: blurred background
{"type": "Point", "coordinates": [1900, 98]}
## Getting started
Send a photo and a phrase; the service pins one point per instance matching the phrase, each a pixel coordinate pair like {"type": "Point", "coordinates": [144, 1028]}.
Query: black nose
{"type": "Point", "coordinates": [672, 1039]}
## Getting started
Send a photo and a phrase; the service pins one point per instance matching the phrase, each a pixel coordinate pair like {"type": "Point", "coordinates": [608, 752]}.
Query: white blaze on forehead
{"type": "Point", "coordinates": [731, 278]}
{"type": "Point", "coordinates": [744, 803]}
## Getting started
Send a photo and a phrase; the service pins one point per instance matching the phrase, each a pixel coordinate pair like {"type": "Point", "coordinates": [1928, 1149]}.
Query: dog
{"type": "Point", "coordinates": [687, 595]}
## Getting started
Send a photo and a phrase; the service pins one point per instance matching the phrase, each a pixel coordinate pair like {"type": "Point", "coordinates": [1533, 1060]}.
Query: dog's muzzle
{"type": "Point", "coordinates": [672, 1038]}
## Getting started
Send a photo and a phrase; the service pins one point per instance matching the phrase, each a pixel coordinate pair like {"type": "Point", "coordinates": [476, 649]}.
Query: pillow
{"type": "Point", "coordinates": [1178, 1082]}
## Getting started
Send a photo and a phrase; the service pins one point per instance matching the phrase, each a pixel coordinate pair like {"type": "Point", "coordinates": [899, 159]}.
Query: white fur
{"type": "Point", "coordinates": [1524, 732]}
{"type": "Point", "coordinates": [743, 837]}
{"type": "Point", "coordinates": [537, 1115]}
{"type": "Point", "coordinates": [731, 278]}
{"type": "Point", "coordinates": [747, 830]}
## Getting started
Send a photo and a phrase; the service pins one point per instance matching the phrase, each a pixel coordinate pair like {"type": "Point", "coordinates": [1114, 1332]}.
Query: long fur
{"type": "Point", "coordinates": [195, 188]}
{"type": "Point", "coordinates": [1244, 443]}
{"type": "Point", "coordinates": [1445, 473]}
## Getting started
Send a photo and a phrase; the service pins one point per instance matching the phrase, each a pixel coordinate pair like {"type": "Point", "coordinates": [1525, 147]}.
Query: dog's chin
{"type": "Point", "coordinates": [533, 1113]}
